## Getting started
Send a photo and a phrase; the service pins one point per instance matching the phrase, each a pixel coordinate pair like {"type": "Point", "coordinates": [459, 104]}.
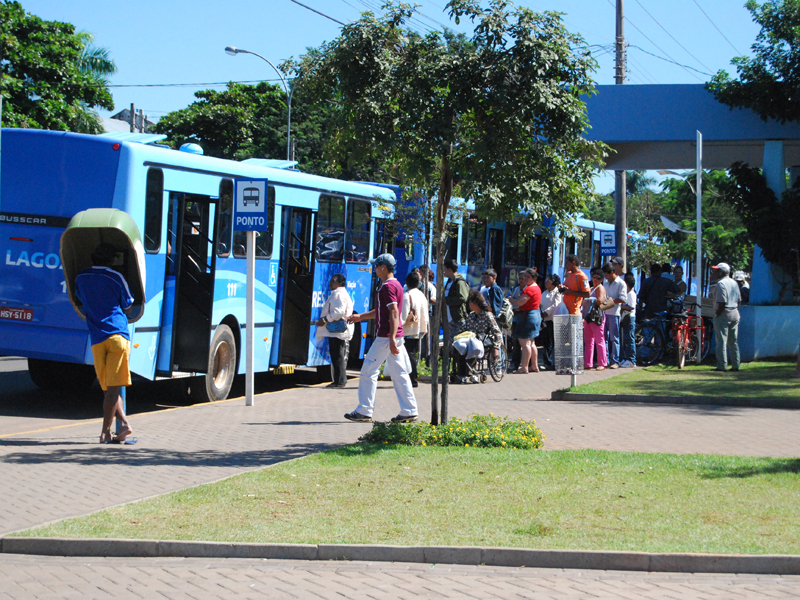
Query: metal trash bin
{"type": "Point", "coordinates": [568, 345]}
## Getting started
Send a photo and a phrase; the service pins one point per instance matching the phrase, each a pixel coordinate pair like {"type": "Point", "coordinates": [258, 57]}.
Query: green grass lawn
{"type": "Point", "coordinates": [765, 379]}
{"type": "Point", "coordinates": [383, 494]}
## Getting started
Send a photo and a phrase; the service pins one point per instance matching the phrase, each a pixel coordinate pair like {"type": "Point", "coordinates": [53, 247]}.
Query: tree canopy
{"type": "Point", "coordinates": [769, 82]}
{"type": "Point", "coordinates": [496, 116]}
{"type": "Point", "coordinates": [51, 77]}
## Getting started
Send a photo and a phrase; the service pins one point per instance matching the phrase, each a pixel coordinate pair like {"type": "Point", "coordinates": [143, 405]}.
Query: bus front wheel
{"type": "Point", "coordinates": [55, 375]}
{"type": "Point", "coordinates": [221, 364]}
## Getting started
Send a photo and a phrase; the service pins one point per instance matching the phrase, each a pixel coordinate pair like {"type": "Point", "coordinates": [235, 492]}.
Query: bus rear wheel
{"type": "Point", "coordinates": [55, 375]}
{"type": "Point", "coordinates": [221, 365]}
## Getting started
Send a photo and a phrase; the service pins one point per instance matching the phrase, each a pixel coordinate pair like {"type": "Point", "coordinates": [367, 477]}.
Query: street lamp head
{"type": "Point", "coordinates": [670, 173]}
{"type": "Point", "coordinates": [233, 51]}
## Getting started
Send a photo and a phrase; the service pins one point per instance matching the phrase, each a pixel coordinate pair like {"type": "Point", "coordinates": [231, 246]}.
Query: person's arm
{"type": "Point", "coordinates": [622, 295]}
{"type": "Point", "coordinates": [721, 298]}
{"type": "Point", "coordinates": [394, 316]}
{"type": "Point", "coordinates": [458, 293]}
{"type": "Point", "coordinates": [580, 293]}
{"type": "Point", "coordinates": [519, 300]}
{"type": "Point", "coordinates": [357, 318]}
{"type": "Point", "coordinates": [406, 308]}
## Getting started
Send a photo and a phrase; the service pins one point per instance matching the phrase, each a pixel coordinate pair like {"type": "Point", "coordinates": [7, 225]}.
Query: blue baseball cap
{"type": "Point", "coordinates": [384, 259]}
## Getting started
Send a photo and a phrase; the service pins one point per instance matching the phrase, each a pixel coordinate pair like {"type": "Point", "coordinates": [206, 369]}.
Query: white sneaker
{"type": "Point", "coordinates": [626, 364]}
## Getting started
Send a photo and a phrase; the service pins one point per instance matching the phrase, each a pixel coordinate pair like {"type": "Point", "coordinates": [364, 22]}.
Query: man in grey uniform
{"type": "Point", "coordinates": [726, 319]}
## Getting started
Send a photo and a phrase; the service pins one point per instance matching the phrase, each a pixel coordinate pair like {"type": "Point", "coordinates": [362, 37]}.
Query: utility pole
{"type": "Point", "coordinates": [620, 196]}
{"type": "Point", "coordinates": [133, 118]}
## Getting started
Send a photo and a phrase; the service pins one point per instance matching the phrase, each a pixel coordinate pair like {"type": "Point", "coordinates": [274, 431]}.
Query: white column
{"type": "Point", "coordinates": [764, 286]}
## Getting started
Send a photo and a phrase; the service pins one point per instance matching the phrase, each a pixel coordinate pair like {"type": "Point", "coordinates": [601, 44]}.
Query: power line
{"type": "Point", "coordinates": [669, 60]}
{"type": "Point", "coordinates": [146, 85]}
{"type": "Point", "coordinates": [672, 60]}
{"type": "Point", "coordinates": [316, 11]}
{"type": "Point", "coordinates": [672, 36]}
{"type": "Point", "coordinates": [717, 28]}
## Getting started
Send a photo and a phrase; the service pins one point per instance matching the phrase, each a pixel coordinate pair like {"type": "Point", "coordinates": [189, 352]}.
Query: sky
{"type": "Point", "coordinates": [166, 50]}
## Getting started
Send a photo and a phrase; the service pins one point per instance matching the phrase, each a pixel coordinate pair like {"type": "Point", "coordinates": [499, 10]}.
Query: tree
{"type": "Point", "coordinates": [769, 81]}
{"type": "Point", "coordinates": [50, 76]}
{"type": "Point", "coordinates": [249, 121]}
{"type": "Point", "coordinates": [497, 116]}
{"type": "Point", "coordinates": [773, 224]}
{"type": "Point", "coordinates": [725, 237]}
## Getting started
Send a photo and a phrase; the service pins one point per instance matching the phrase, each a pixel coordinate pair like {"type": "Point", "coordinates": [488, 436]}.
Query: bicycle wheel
{"type": "Point", "coordinates": [679, 344]}
{"type": "Point", "coordinates": [497, 368]}
{"type": "Point", "coordinates": [649, 343]}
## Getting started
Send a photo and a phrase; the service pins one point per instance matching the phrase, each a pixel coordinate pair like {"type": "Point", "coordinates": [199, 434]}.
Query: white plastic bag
{"type": "Point", "coordinates": [561, 309]}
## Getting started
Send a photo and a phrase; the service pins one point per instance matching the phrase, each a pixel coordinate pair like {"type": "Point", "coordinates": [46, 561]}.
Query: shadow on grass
{"type": "Point", "coordinates": [772, 466]}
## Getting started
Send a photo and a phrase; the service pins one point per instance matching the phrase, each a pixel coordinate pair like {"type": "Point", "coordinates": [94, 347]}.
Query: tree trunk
{"type": "Point", "coordinates": [445, 193]}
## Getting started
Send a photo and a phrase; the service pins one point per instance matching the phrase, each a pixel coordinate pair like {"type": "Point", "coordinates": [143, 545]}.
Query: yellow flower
{"type": "Point", "coordinates": [466, 445]}
{"type": "Point", "coordinates": [504, 443]}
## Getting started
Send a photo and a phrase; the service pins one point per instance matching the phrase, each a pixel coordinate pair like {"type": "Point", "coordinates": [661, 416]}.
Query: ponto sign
{"type": "Point", "coordinates": [250, 206]}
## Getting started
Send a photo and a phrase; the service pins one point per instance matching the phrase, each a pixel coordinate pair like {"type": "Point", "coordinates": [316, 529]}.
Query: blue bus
{"type": "Point", "coordinates": [195, 263]}
{"type": "Point", "coordinates": [477, 244]}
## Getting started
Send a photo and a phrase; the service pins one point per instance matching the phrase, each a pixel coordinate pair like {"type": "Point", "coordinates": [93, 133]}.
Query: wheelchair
{"type": "Point", "coordinates": [480, 369]}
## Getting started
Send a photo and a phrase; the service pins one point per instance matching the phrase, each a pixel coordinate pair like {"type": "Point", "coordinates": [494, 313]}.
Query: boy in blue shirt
{"type": "Point", "coordinates": [106, 298]}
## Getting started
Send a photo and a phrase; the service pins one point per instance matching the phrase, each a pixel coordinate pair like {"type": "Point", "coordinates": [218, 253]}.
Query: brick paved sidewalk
{"type": "Point", "coordinates": [32, 577]}
{"type": "Point", "coordinates": [63, 472]}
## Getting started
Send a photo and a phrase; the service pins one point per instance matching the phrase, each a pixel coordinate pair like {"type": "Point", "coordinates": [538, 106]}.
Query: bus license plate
{"type": "Point", "coordinates": [16, 314]}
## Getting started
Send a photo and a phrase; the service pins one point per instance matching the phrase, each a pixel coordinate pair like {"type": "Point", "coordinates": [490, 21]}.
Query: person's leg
{"type": "Point", "coordinates": [612, 328]}
{"type": "Point", "coordinates": [412, 347]}
{"type": "Point", "coordinates": [733, 344]}
{"type": "Point", "coordinates": [525, 355]}
{"type": "Point", "coordinates": [796, 373]}
{"type": "Point", "coordinates": [399, 368]}
{"type": "Point", "coordinates": [588, 345]}
{"type": "Point", "coordinates": [630, 340]}
{"type": "Point", "coordinates": [113, 374]}
{"type": "Point", "coordinates": [602, 353]}
{"type": "Point", "coordinates": [336, 347]}
{"type": "Point", "coordinates": [368, 379]}
{"type": "Point", "coordinates": [721, 335]}
{"type": "Point", "coordinates": [549, 344]}
{"type": "Point", "coordinates": [534, 356]}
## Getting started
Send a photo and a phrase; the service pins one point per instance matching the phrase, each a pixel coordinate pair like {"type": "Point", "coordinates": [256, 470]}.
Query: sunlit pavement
{"type": "Point", "coordinates": [63, 471]}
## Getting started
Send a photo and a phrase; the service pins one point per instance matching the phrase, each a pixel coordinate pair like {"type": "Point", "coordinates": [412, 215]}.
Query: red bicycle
{"type": "Point", "coordinates": [685, 331]}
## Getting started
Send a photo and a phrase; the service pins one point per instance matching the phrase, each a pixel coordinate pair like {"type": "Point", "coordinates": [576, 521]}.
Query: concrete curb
{"type": "Point", "coordinates": [563, 396]}
{"type": "Point", "coordinates": [772, 564]}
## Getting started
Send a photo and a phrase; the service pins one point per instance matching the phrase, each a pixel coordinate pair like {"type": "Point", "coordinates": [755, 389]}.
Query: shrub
{"type": "Point", "coordinates": [479, 431]}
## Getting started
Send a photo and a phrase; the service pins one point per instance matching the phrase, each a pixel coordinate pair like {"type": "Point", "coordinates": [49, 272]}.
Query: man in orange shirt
{"type": "Point", "coordinates": [576, 285]}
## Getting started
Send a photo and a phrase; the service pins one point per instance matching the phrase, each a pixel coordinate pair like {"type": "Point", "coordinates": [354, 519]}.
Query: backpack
{"type": "Point", "coordinates": [506, 315]}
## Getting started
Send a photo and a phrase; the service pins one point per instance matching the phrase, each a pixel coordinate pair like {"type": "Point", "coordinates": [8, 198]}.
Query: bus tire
{"type": "Point", "coordinates": [222, 365]}
{"type": "Point", "coordinates": [55, 375]}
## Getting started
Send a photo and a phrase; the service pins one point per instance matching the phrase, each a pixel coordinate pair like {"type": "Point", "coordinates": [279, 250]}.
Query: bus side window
{"type": "Point", "coordinates": [356, 240]}
{"type": "Point", "coordinates": [263, 238]}
{"type": "Point", "coordinates": [474, 242]}
{"type": "Point", "coordinates": [225, 218]}
{"type": "Point", "coordinates": [330, 229]}
{"type": "Point", "coordinates": [153, 206]}
{"type": "Point", "coordinates": [585, 248]}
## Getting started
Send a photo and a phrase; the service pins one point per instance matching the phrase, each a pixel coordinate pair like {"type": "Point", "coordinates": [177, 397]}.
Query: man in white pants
{"type": "Point", "coordinates": [387, 347]}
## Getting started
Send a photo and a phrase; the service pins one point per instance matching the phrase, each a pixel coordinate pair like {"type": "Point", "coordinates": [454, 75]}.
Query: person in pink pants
{"type": "Point", "coordinates": [593, 334]}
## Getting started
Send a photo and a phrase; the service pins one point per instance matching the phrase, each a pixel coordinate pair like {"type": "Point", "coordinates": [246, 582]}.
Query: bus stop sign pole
{"type": "Point", "coordinates": [250, 215]}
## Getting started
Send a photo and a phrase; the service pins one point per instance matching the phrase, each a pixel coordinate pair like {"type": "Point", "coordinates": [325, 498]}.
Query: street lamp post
{"type": "Point", "coordinates": [698, 191]}
{"type": "Point", "coordinates": [233, 52]}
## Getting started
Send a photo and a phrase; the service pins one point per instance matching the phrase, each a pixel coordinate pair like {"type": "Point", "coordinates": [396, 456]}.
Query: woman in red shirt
{"type": "Point", "coordinates": [527, 320]}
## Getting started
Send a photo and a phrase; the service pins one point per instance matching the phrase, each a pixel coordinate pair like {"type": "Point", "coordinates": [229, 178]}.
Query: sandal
{"type": "Point", "coordinates": [601, 368]}
{"type": "Point", "coordinates": [520, 372]}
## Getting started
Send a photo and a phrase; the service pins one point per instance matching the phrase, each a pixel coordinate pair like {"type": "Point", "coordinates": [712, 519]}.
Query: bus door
{"type": "Point", "coordinates": [297, 274]}
{"type": "Point", "coordinates": [495, 250]}
{"type": "Point", "coordinates": [188, 284]}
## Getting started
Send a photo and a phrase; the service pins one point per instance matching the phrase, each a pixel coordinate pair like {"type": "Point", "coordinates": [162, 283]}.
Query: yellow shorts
{"type": "Point", "coordinates": [111, 362]}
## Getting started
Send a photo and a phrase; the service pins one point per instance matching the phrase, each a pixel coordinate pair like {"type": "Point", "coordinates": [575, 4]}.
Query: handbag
{"type": "Point", "coordinates": [336, 326]}
{"type": "Point", "coordinates": [595, 314]}
{"type": "Point", "coordinates": [607, 303]}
